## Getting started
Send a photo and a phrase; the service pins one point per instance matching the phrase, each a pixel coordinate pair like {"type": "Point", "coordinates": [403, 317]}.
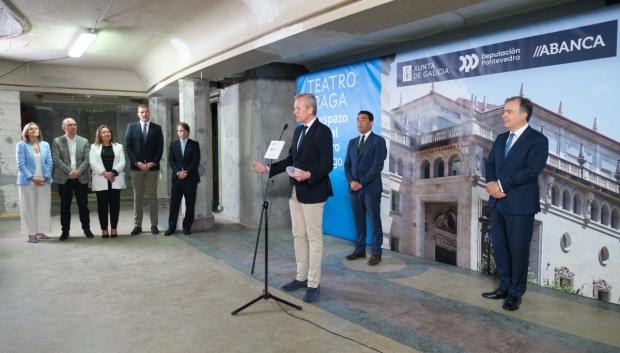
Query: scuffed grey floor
{"type": "Point", "coordinates": [147, 294]}
{"type": "Point", "coordinates": [175, 294]}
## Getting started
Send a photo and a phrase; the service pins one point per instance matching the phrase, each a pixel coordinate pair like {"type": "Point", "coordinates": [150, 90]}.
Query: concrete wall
{"type": "Point", "coordinates": [10, 135]}
{"type": "Point", "coordinates": [230, 198]}
{"type": "Point", "coordinates": [252, 113]}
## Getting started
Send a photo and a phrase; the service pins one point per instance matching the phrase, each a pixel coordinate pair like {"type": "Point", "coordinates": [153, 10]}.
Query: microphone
{"type": "Point", "coordinates": [283, 129]}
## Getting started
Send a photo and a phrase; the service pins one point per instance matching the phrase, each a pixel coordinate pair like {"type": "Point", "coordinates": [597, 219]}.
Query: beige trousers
{"type": "Point", "coordinates": [144, 186]}
{"type": "Point", "coordinates": [307, 220]}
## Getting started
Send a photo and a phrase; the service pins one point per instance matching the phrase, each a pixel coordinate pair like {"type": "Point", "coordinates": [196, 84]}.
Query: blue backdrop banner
{"type": "Point", "coordinates": [341, 93]}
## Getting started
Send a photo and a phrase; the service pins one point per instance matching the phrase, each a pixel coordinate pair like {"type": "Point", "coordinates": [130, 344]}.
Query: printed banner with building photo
{"type": "Point", "coordinates": [441, 111]}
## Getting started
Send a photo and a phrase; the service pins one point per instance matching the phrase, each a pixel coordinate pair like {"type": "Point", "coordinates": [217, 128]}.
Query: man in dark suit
{"type": "Point", "coordinates": [517, 158]}
{"type": "Point", "coordinates": [311, 153]}
{"type": "Point", "coordinates": [183, 158]}
{"type": "Point", "coordinates": [362, 168]}
{"type": "Point", "coordinates": [144, 142]}
{"type": "Point", "coordinates": [71, 171]}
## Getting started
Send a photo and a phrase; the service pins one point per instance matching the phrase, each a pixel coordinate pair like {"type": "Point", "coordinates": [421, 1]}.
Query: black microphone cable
{"type": "Point", "coordinates": [330, 331]}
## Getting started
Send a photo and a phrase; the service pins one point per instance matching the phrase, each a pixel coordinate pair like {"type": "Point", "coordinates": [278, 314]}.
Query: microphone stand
{"type": "Point", "coordinates": [265, 215]}
{"type": "Point", "coordinates": [260, 222]}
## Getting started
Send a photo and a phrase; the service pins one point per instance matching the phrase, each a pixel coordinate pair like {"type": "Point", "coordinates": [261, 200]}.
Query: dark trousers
{"type": "Point", "coordinates": [66, 191]}
{"type": "Point", "coordinates": [108, 200]}
{"type": "Point", "coordinates": [366, 205]}
{"type": "Point", "coordinates": [179, 190]}
{"type": "Point", "coordinates": [511, 244]}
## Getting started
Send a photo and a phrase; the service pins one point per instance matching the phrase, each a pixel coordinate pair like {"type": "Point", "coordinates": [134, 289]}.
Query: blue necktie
{"type": "Point", "coordinates": [508, 144]}
{"type": "Point", "coordinates": [183, 142]}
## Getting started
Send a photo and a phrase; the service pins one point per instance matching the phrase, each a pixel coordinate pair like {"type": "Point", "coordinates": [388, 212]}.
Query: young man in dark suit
{"type": "Point", "coordinates": [362, 168]}
{"type": "Point", "coordinates": [517, 158]}
{"type": "Point", "coordinates": [144, 142]}
{"type": "Point", "coordinates": [184, 159]}
{"type": "Point", "coordinates": [311, 153]}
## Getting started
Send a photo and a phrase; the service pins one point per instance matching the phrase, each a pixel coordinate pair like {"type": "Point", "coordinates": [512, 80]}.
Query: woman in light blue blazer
{"type": "Point", "coordinates": [34, 179]}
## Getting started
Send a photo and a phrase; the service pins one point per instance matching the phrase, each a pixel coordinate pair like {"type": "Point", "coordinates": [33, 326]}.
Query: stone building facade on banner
{"type": "Point", "coordinates": [434, 195]}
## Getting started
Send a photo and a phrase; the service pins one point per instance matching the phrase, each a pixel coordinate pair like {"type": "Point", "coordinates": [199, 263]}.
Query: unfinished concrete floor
{"type": "Point", "coordinates": [175, 294]}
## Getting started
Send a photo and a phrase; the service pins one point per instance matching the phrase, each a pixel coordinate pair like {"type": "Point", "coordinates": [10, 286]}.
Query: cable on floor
{"type": "Point", "coordinates": [328, 330]}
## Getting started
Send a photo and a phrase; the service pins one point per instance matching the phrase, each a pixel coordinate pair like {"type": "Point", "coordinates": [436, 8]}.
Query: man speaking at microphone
{"type": "Point", "coordinates": [311, 154]}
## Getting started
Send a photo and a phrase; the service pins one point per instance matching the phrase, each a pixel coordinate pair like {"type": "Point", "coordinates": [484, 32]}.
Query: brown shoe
{"type": "Point", "coordinates": [374, 260]}
{"type": "Point", "coordinates": [356, 255]}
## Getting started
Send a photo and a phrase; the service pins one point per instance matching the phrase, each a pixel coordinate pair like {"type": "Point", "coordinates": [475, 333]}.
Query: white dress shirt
{"type": "Point", "coordinates": [142, 126]}
{"type": "Point", "coordinates": [72, 148]}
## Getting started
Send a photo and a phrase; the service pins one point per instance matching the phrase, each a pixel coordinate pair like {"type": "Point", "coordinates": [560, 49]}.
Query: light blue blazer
{"type": "Point", "coordinates": [25, 162]}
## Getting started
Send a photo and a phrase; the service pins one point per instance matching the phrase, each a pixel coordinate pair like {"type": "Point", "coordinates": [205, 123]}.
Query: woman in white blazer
{"type": "Point", "coordinates": [34, 177]}
{"type": "Point", "coordinates": [107, 163]}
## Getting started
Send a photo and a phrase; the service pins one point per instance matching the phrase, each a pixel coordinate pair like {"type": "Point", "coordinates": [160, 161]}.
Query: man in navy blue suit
{"type": "Point", "coordinates": [362, 168]}
{"type": "Point", "coordinates": [311, 154]}
{"type": "Point", "coordinates": [144, 142]}
{"type": "Point", "coordinates": [517, 158]}
{"type": "Point", "coordinates": [184, 159]}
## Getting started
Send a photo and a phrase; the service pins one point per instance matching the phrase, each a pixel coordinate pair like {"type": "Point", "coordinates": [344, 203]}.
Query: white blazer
{"type": "Point", "coordinates": [96, 166]}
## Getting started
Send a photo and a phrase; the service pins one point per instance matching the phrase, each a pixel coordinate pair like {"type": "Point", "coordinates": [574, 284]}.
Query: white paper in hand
{"type": "Point", "coordinates": [274, 149]}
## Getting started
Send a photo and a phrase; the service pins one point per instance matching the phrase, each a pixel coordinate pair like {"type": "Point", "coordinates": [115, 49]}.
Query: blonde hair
{"type": "Point", "coordinates": [25, 136]}
{"type": "Point", "coordinates": [98, 139]}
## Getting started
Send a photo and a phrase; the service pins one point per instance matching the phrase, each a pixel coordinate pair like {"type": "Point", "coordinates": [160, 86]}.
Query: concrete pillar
{"type": "Point", "coordinates": [10, 135]}
{"type": "Point", "coordinates": [230, 168]}
{"type": "Point", "coordinates": [252, 113]}
{"type": "Point", "coordinates": [160, 114]}
{"type": "Point", "coordinates": [194, 109]}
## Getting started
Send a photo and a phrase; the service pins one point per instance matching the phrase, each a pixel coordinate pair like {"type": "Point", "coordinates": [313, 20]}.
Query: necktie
{"type": "Point", "coordinates": [303, 134]}
{"type": "Point", "coordinates": [144, 132]}
{"type": "Point", "coordinates": [508, 144]}
{"type": "Point", "coordinates": [183, 142]}
{"type": "Point", "coordinates": [361, 145]}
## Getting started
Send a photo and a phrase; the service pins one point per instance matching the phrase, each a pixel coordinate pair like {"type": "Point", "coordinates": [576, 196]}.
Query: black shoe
{"type": "Point", "coordinates": [374, 260]}
{"type": "Point", "coordinates": [169, 232]}
{"type": "Point", "coordinates": [356, 255]}
{"type": "Point", "coordinates": [511, 303]}
{"type": "Point", "coordinates": [312, 294]}
{"type": "Point", "coordinates": [154, 230]}
{"type": "Point", "coordinates": [187, 231]}
{"type": "Point", "coordinates": [64, 236]}
{"type": "Point", "coordinates": [295, 284]}
{"type": "Point", "coordinates": [136, 230]}
{"type": "Point", "coordinates": [496, 294]}
{"type": "Point", "coordinates": [88, 233]}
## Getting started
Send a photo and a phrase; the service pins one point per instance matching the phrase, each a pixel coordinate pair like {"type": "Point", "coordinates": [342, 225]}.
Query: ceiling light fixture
{"type": "Point", "coordinates": [87, 37]}
{"type": "Point", "coordinates": [84, 41]}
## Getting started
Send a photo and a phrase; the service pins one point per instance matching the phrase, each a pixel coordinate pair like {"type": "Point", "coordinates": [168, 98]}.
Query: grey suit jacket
{"type": "Point", "coordinates": [62, 159]}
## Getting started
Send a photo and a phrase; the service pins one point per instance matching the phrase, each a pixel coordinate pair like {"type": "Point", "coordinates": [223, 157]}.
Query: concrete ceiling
{"type": "Point", "coordinates": [143, 45]}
